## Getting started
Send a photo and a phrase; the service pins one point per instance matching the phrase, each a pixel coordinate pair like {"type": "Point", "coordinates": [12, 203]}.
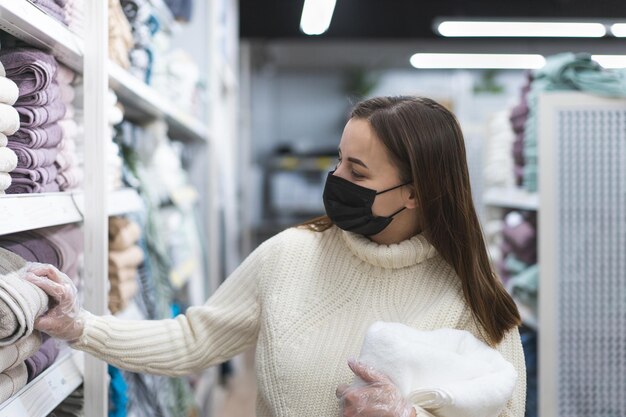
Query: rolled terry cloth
{"type": "Point", "coordinates": [41, 98]}
{"type": "Point", "coordinates": [122, 233]}
{"type": "Point", "coordinates": [20, 301]}
{"type": "Point", "coordinates": [3, 72]}
{"type": "Point", "coordinates": [8, 159]}
{"type": "Point", "coordinates": [12, 381]}
{"type": "Point", "coordinates": [446, 370]}
{"type": "Point", "coordinates": [3, 140]}
{"type": "Point", "coordinates": [70, 178]}
{"type": "Point", "coordinates": [8, 91]}
{"type": "Point", "coordinates": [33, 158]}
{"type": "Point", "coordinates": [130, 257]}
{"type": "Point", "coordinates": [42, 175]}
{"type": "Point", "coordinates": [65, 160]}
{"type": "Point", "coordinates": [13, 355]}
{"type": "Point", "coordinates": [124, 274]}
{"type": "Point", "coordinates": [65, 76]}
{"type": "Point", "coordinates": [42, 360]}
{"type": "Point", "coordinates": [5, 181]}
{"type": "Point", "coordinates": [9, 119]}
{"type": "Point", "coordinates": [31, 69]}
{"type": "Point", "coordinates": [47, 136]}
{"type": "Point", "coordinates": [41, 115]}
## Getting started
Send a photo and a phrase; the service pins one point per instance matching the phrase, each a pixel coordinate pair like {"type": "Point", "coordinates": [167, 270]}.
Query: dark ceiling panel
{"type": "Point", "coordinates": [405, 19]}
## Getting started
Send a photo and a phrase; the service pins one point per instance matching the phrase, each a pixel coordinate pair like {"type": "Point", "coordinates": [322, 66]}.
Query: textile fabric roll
{"type": "Point", "coordinates": [12, 381]}
{"type": "Point", "coordinates": [8, 159]}
{"type": "Point", "coordinates": [9, 119]}
{"type": "Point", "coordinates": [20, 301]}
{"type": "Point", "coordinates": [15, 354]}
{"type": "Point", "coordinates": [8, 91]}
{"type": "Point", "coordinates": [42, 360]}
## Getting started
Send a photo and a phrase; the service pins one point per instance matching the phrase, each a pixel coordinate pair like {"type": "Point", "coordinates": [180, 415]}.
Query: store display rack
{"type": "Point", "coordinates": [49, 389]}
{"type": "Point", "coordinates": [510, 197]}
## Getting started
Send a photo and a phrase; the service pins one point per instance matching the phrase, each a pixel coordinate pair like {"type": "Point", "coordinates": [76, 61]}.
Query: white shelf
{"type": "Point", "coordinates": [34, 211]}
{"type": "Point", "coordinates": [511, 198]}
{"type": "Point", "coordinates": [28, 23]}
{"type": "Point", "coordinates": [48, 390]}
{"type": "Point", "coordinates": [140, 98]}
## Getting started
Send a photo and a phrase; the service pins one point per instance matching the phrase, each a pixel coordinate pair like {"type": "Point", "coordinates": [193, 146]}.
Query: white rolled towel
{"type": "Point", "coordinates": [8, 159]}
{"type": "Point", "coordinates": [448, 372]}
{"type": "Point", "coordinates": [5, 181]}
{"type": "Point", "coordinates": [9, 92]}
{"type": "Point", "coordinates": [9, 119]}
{"type": "Point", "coordinates": [4, 141]}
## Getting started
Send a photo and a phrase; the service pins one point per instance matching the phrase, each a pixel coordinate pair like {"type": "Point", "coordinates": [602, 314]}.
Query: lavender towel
{"type": "Point", "coordinates": [9, 119]}
{"type": "Point", "coordinates": [26, 186]}
{"type": "Point", "coordinates": [41, 115]}
{"type": "Point", "coordinates": [8, 159]}
{"type": "Point", "coordinates": [51, 8]}
{"type": "Point", "coordinates": [13, 355]}
{"type": "Point", "coordinates": [33, 158]}
{"type": "Point", "coordinates": [42, 360]}
{"type": "Point", "coordinates": [41, 98]}
{"type": "Point", "coordinates": [12, 381]}
{"type": "Point", "coordinates": [31, 69]}
{"type": "Point", "coordinates": [20, 301]}
{"type": "Point", "coordinates": [8, 91]}
{"type": "Point", "coordinates": [47, 136]}
{"type": "Point", "coordinates": [42, 175]}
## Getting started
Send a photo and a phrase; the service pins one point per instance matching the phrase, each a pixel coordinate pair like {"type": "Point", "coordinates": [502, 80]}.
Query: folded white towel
{"type": "Point", "coordinates": [9, 119]}
{"type": "Point", "coordinates": [5, 181]}
{"type": "Point", "coordinates": [4, 141]}
{"type": "Point", "coordinates": [12, 381]}
{"type": "Point", "coordinates": [448, 372]}
{"type": "Point", "coordinates": [8, 159]}
{"type": "Point", "coordinates": [13, 355]}
{"type": "Point", "coordinates": [20, 301]}
{"type": "Point", "coordinates": [9, 92]}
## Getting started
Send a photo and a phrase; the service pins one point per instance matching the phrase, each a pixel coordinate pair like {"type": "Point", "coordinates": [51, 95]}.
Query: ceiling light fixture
{"type": "Point", "coordinates": [464, 28]}
{"type": "Point", "coordinates": [618, 30]}
{"type": "Point", "coordinates": [482, 61]}
{"type": "Point", "coordinates": [316, 16]}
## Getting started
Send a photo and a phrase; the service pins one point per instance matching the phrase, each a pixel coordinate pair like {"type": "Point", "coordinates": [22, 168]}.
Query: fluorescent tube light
{"type": "Point", "coordinates": [316, 16]}
{"type": "Point", "coordinates": [619, 30]}
{"type": "Point", "coordinates": [504, 61]}
{"type": "Point", "coordinates": [610, 61]}
{"type": "Point", "coordinates": [521, 29]}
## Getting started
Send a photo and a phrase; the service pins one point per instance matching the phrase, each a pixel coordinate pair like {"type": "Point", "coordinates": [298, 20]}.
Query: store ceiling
{"type": "Point", "coordinates": [405, 19]}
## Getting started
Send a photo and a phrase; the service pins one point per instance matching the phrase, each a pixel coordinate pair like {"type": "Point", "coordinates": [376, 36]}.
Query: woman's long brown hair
{"type": "Point", "coordinates": [425, 141]}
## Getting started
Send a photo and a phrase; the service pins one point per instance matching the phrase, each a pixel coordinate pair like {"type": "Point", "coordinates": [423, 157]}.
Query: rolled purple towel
{"type": "Point", "coordinates": [48, 136]}
{"type": "Point", "coordinates": [31, 69]}
{"type": "Point", "coordinates": [42, 175]}
{"type": "Point", "coordinates": [33, 158]}
{"type": "Point", "coordinates": [36, 116]}
{"type": "Point", "coordinates": [42, 360]}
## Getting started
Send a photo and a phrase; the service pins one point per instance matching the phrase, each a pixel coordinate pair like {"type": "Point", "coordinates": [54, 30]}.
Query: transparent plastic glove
{"type": "Point", "coordinates": [64, 319]}
{"type": "Point", "coordinates": [377, 396]}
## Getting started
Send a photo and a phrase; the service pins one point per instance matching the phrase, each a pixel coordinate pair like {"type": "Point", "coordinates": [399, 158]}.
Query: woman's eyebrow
{"type": "Point", "coordinates": [358, 161]}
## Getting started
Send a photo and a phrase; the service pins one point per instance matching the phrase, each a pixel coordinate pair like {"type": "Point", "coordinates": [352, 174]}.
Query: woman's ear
{"type": "Point", "coordinates": [410, 197]}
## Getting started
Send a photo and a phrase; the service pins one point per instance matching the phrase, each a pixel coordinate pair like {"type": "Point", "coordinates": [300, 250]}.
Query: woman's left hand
{"type": "Point", "coordinates": [377, 397]}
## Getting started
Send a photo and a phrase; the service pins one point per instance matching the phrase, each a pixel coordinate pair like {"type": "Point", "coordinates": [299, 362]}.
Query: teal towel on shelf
{"type": "Point", "coordinates": [118, 398]}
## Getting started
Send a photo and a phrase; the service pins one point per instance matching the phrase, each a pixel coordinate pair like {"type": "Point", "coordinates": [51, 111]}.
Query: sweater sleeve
{"type": "Point", "coordinates": [511, 350]}
{"type": "Point", "coordinates": [224, 326]}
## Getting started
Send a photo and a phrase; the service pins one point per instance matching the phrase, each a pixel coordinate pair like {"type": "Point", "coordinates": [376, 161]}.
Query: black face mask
{"type": "Point", "coordinates": [349, 206]}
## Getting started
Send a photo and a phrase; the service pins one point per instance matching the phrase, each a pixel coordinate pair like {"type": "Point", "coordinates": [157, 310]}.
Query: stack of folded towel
{"type": "Point", "coordinates": [75, 16]}
{"type": "Point", "coordinates": [145, 25]}
{"type": "Point", "coordinates": [20, 304]}
{"type": "Point", "coordinates": [53, 8]}
{"type": "Point", "coordinates": [72, 406]}
{"type": "Point", "coordinates": [120, 35]}
{"type": "Point", "coordinates": [114, 158]}
{"type": "Point", "coordinates": [9, 123]}
{"type": "Point", "coordinates": [43, 358]}
{"type": "Point", "coordinates": [70, 173]}
{"type": "Point", "coordinates": [40, 107]}
{"type": "Point", "coordinates": [125, 256]}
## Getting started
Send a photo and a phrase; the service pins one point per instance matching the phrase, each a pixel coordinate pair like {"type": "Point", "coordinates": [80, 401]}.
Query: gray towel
{"type": "Point", "coordinates": [20, 301]}
{"type": "Point", "coordinates": [13, 355]}
{"type": "Point", "coordinates": [12, 381]}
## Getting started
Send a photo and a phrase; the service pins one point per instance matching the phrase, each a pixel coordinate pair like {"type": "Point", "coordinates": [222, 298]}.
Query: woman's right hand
{"type": "Point", "coordinates": [65, 319]}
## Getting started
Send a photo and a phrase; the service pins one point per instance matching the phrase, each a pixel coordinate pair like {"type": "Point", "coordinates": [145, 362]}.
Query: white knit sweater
{"type": "Point", "coordinates": [305, 300]}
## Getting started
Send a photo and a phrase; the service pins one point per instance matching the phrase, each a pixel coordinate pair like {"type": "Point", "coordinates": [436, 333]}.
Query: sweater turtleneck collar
{"type": "Point", "coordinates": [398, 255]}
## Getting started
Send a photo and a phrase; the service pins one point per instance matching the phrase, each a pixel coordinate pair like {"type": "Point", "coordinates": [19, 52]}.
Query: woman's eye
{"type": "Point", "coordinates": [357, 175]}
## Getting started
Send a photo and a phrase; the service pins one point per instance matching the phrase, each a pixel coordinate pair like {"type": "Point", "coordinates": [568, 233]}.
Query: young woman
{"type": "Point", "coordinates": [401, 242]}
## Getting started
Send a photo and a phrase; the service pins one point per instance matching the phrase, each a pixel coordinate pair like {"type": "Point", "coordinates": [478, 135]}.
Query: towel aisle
{"type": "Point", "coordinates": [40, 106]}
{"type": "Point", "coordinates": [125, 256]}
